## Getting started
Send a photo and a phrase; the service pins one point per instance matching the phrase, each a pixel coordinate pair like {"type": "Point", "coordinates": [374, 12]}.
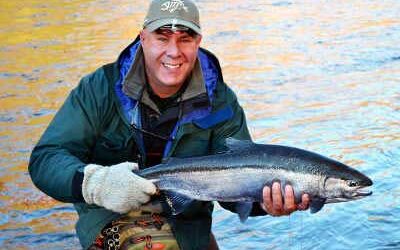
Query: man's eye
{"type": "Point", "coordinates": [162, 39]}
{"type": "Point", "coordinates": [187, 40]}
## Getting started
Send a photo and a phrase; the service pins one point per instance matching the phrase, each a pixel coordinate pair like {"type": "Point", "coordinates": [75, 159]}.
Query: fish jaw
{"type": "Point", "coordinates": [339, 190]}
{"type": "Point", "coordinates": [357, 194]}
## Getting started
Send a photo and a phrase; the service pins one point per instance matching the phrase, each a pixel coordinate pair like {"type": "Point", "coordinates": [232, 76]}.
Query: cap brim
{"type": "Point", "coordinates": [167, 21]}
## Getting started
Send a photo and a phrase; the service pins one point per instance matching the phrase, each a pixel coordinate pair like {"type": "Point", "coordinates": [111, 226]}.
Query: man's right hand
{"type": "Point", "coordinates": [116, 187]}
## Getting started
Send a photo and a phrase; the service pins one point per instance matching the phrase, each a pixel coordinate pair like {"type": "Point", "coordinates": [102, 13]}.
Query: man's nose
{"type": "Point", "coordinates": [173, 49]}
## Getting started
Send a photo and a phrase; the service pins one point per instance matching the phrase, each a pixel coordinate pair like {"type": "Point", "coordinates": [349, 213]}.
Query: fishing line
{"type": "Point", "coordinates": [290, 233]}
{"type": "Point", "coordinates": [301, 230]}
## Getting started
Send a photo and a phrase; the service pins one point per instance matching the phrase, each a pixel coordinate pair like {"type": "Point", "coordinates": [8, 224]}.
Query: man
{"type": "Point", "coordinates": [164, 97]}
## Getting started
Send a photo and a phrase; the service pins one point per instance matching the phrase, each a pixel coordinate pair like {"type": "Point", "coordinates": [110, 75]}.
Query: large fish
{"type": "Point", "coordinates": [240, 173]}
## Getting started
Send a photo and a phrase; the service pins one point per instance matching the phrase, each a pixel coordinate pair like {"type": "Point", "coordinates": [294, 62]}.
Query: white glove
{"type": "Point", "coordinates": [116, 187]}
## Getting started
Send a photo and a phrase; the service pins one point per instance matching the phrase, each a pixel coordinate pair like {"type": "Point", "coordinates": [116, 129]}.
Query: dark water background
{"type": "Point", "coordinates": [320, 75]}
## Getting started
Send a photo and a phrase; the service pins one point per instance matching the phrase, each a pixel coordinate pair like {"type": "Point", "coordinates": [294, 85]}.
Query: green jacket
{"type": "Point", "coordinates": [94, 126]}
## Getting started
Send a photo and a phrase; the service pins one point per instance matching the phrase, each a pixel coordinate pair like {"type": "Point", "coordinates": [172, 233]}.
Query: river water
{"type": "Point", "coordinates": [319, 75]}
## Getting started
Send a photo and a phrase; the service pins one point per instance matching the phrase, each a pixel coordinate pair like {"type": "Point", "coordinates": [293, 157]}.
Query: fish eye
{"type": "Point", "coordinates": [351, 183]}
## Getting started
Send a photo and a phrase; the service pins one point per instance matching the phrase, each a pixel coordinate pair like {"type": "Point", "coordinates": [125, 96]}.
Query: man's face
{"type": "Point", "coordinates": [169, 58]}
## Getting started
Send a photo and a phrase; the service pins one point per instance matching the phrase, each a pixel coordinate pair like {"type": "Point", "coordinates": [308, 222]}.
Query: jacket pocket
{"type": "Point", "coordinates": [111, 150]}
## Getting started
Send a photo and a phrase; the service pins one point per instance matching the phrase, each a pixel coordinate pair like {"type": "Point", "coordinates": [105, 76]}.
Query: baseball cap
{"type": "Point", "coordinates": [173, 14]}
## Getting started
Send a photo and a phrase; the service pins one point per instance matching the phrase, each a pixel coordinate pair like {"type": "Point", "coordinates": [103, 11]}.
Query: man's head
{"type": "Point", "coordinates": [172, 12]}
{"type": "Point", "coordinates": [170, 40]}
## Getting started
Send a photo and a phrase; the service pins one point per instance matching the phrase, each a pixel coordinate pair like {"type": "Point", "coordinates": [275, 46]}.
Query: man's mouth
{"type": "Point", "coordinates": [172, 65]}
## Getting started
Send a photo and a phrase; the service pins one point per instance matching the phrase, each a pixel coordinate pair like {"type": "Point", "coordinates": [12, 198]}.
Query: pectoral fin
{"type": "Point", "coordinates": [235, 145]}
{"type": "Point", "coordinates": [316, 204]}
{"type": "Point", "coordinates": [177, 202]}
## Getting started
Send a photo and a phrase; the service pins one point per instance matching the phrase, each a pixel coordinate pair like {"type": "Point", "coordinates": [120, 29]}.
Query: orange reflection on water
{"type": "Point", "coordinates": [306, 73]}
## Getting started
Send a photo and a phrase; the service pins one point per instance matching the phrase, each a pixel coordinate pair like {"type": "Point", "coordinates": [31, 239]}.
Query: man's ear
{"type": "Point", "coordinates": [198, 38]}
{"type": "Point", "coordinates": [142, 36]}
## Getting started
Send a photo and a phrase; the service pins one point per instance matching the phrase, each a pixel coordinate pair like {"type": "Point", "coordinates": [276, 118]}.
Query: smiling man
{"type": "Point", "coordinates": [170, 56]}
{"type": "Point", "coordinates": [164, 97]}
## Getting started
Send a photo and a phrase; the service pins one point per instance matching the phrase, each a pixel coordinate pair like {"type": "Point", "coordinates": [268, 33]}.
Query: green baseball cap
{"type": "Point", "coordinates": [172, 13]}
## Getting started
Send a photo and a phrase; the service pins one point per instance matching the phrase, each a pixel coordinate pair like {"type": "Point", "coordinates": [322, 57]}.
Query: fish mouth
{"type": "Point", "coordinates": [356, 194]}
{"type": "Point", "coordinates": [362, 193]}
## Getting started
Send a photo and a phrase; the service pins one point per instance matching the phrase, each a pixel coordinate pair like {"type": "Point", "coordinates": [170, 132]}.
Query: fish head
{"type": "Point", "coordinates": [346, 185]}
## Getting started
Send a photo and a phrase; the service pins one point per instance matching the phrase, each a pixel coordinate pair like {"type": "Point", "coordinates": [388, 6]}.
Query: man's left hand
{"type": "Point", "coordinates": [275, 204]}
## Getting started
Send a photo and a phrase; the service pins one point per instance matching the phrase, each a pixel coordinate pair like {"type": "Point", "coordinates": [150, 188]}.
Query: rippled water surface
{"type": "Point", "coordinates": [320, 75]}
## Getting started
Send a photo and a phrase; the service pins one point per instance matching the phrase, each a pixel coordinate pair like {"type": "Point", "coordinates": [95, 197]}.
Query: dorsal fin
{"type": "Point", "coordinates": [169, 160]}
{"type": "Point", "coordinates": [235, 145]}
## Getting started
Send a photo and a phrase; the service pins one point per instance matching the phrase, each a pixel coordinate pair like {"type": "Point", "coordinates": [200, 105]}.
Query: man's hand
{"type": "Point", "coordinates": [277, 205]}
{"type": "Point", "coordinates": [116, 187]}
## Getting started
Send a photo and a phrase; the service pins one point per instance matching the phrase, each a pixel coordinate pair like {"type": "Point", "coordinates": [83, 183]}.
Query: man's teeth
{"type": "Point", "coordinates": [172, 66]}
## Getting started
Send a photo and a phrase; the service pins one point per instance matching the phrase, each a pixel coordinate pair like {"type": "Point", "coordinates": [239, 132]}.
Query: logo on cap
{"type": "Point", "coordinates": [174, 5]}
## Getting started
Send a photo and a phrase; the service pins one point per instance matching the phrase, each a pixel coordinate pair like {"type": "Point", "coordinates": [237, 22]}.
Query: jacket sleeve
{"type": "Point", "coordinates": [236, 127]}
{"type": "Point", "coordinates": [64, 148]}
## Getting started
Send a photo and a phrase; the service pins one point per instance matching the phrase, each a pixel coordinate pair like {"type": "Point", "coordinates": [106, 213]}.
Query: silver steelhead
{"type": "Point", "coordinates": [240, 173]}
